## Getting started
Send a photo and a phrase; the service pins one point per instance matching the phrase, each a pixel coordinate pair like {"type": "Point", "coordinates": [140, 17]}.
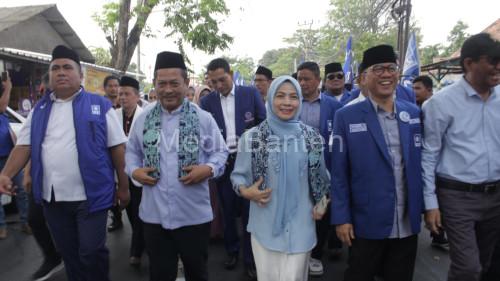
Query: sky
{"type": "Point", "coordinates": [261, 25]}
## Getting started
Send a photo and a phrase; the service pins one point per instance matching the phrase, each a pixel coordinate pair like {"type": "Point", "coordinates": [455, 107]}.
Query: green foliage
{"type": "Point", "coordinates": [456, 38]}
{"type": "Point", "coordinates": [190, 22]}
{"type": "Point", "coordinates": [102, 56]}
{"type": "Point", "coordinates": [428, 53]}
{"type": "Point", "coordinates": [246, 66]}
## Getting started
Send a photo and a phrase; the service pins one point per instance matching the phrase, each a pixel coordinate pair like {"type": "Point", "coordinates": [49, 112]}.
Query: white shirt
{"type": "Point", "coordinates": [358, 99]}
{"type": "Point", "coordinates": [61, 173]}
{"type": "Point", "coordinates": [228, 109]}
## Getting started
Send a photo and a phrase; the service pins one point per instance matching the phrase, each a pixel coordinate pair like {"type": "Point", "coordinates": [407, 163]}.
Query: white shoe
{"type": "Point", "coordinates": [315, 267]}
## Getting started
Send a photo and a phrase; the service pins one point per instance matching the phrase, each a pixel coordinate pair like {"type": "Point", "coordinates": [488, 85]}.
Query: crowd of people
{"type": "Point", "coordinates": [308, 164]}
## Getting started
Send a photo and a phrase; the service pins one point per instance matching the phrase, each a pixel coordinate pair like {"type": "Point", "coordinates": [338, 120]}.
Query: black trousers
{"type": "Point", "coordinates": [137, 241]}
{"type": "Point", "coordinates": [493, 272]}
{"type": "Point", "coordinates": [36, 220]}
{"type": "Point", "coordinates": [325, 231]}
{"type": "Point", "coordinates": [392, 258]}
{"type": "Point", "coordinates": [165, 246]}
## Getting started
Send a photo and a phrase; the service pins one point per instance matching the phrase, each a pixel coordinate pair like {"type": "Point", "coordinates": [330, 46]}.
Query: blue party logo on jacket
{"type": "Point", "coordinates": [96, 109]}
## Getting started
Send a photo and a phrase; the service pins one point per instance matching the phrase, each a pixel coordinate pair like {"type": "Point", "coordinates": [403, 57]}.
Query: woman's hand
{"type": "Point", "coordinates": [261, 197]}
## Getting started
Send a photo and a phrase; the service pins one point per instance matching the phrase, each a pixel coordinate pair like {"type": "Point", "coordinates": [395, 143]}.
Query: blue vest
{"type": "Point", "coordinates": [94, 157]}
{"type": "Point", "coordinates": [6, 143]}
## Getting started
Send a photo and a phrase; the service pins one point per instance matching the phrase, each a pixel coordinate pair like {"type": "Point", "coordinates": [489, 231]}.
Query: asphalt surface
{"type": "Point", "coordinates": [20, 257]}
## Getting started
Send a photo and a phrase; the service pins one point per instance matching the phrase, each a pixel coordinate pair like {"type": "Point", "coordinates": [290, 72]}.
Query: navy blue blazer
{"type": "Point", "coordinates": [402, 93]}
{"type": "Point", "coordinates": [249, 109]}
{"type": "Point", "coordinates": [328, 106]}
{"type": "Point", "coordinates": [363, 185]}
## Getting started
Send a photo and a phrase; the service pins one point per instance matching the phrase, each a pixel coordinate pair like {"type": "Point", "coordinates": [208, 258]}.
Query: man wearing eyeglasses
{"type": "Point", "coordinates": [334, 82]}
{"type": "Point", "coordinates": [376, 175]}
{"type": "Point", "coordinates": [263, 79]}
{"type": "Point", "coordinates": [461, 160]}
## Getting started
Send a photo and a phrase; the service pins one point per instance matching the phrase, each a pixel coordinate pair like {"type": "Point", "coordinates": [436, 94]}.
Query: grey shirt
{"type": "Point", "coordinates": [311, 112]}
{"type": "Point", "coordinates": [401, 225]}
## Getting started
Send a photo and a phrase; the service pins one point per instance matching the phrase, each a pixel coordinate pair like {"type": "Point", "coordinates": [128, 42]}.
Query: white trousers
{"type": "Point", "coordinates": [278, 266]}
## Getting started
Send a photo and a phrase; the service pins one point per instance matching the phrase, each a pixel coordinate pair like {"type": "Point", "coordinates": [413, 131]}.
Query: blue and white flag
{"type": "Point", "coordinates": [349, 77]}
{"type": "Point", "coordinates": [236, 77]}
{"type": "Point", "coordinates": [411, 68]}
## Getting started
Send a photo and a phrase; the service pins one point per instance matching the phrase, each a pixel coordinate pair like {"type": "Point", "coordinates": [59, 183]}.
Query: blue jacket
{"type": "Point", "coordinates": [94, 157]}
{"type": "Point", "coordinates": [402, 93]}
{"type": "Point", "coordinates": [249, 109]}
{"type": "Point", "coordinates": [363, 184]}
{"type": "Point", "coordinates": [328, 107]}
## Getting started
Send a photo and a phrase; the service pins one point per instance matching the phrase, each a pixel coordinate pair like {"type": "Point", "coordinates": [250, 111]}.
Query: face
{"type": "Point", "coordinates": [262, 83]}
{"type": "Point", "coordinates": [286, 101]}
{"type": "Point", "coordinates": [381, 79]}
{"type": "Point", "coordinates": [190, 94]}
{"type": "Point", "coordinates": [421, 92]}
{"type": "Point", "coordinates": [128, 97]}
{"type": "Point", "coordinates": [111, 91]}
{"type": "Point", "coordinates": [65, 77]}
{"type": "Point", "coordinates": [152, 96]}
{"type": "Point", "coordinates": [334, 82]}
{"type": "Point", "coordinates": [484, 72]}
{"type": "Point", "coordinates": [171, 87]}
{"type": "Point", "coordinates": [221, 81]}
{"type": "Point", "coordinates": [309, 83]}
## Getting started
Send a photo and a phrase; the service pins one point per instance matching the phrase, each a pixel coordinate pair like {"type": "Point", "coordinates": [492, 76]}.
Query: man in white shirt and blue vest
{"type": "Point", "coordinates": [75, 144]}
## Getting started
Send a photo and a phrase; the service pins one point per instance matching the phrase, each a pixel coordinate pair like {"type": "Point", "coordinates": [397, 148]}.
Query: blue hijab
{"type": "Point", "coordinates": [288, 134]}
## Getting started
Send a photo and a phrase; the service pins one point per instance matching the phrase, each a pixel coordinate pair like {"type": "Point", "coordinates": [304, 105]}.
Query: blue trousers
{"type": "Point", "coordinates": [232, 206]}
{"type": "Point", "coordinates": [80, 238]}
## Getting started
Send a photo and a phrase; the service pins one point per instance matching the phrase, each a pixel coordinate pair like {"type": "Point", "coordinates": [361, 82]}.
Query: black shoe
{"type": "Point", "coordinates": [440, 243]}
{"type": "Point", "coordinates": [231, 262]}
{"type": "Point", "coordinates": [47, 269]}
{"type": "Point", "coordinates": [251, 273]}
{"type": "Point", "coordinates": [115, 225]}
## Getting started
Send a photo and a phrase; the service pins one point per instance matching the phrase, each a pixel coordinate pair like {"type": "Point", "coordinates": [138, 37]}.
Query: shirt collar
{"type": "Point", "coordinates": [233, 90]}
{"type": "Point", "coordinates": [176, 111]}
{"type": "Point", "coordinates": [318, 99]}
{"type": "Point", "coordinates": [72, 97]}
{"type": "Point", "coordinates": [379, 109]}
{"type": "Point", "coordinates": [471, 92]}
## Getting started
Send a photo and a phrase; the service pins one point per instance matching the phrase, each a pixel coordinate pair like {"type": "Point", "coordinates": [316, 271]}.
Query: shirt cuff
{"type": "Point", "coordinates": [431, 202]}
{"type": "Point", "coordinates": [214, 171]}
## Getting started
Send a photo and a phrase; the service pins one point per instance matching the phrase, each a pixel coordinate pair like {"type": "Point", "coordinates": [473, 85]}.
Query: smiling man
{"type": "Point", "coordinates": [376, 175]}
{"type": "Point", "coordinates": [334, 82]}
{"type": "Point", "coordinates": [461, 160]}
{"type": "Point", "coordinates": [75, 144]}
{"type": "Point", "coordinates": [173, 149]}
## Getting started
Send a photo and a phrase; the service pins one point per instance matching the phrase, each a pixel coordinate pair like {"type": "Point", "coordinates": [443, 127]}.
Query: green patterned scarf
{"type": "Point", "coordinates": [189, 137]}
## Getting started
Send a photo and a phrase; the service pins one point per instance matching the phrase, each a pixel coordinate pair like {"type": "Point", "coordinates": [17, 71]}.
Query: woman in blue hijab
{"type": "Point", "coordinates": [280, 168]}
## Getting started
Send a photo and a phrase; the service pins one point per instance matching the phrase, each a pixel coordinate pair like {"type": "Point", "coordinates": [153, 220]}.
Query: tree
{"type": "Point", "coordinates": [187, 21]}
{"type": "Point", "coordinates": [246, 66]}
{"type": "Point", "coordinates": [456, 38]}
{"type": "Point", "coordinates": [102, 56]}
{"type": "Point", "coordinates": [281, 61]}
{"type": "Point", "coordinates": [428, 53]}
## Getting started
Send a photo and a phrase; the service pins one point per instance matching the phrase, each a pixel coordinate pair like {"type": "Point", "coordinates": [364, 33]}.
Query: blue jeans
{"type": "Point", "coordinates": [21, 196]}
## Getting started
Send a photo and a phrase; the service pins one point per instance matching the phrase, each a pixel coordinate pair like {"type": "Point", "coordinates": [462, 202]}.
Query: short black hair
{"type": "Point", "coordinates": [218, 63]}
{"type": "Point", "coordinates": [109, 78]}
{"type": "Point", "coordinates": [478, 45]}
{"type": "Point", "coordinates": [426, 80]}
{"type": "Point", "coordinates": [310, 65]}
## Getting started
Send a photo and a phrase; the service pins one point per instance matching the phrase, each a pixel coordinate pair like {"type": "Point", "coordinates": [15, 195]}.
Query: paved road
{"type": "Point", "coordinates": [20, 257]}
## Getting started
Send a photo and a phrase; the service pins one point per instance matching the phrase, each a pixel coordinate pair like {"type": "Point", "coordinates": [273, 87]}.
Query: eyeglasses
{"type": "Point", "coordinates": [493, 60]}
{"type": "Point", "coordinates": [380, 69]}
{"type": "Point", "coordinates": [332, 76]}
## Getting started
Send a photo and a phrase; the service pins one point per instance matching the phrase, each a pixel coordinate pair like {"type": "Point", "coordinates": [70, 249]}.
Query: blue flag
{"type": "Point", "coordinates": [411, 68]}
{"type": "Point", "coordinates": [349, 77]}
{"type": "Point", "coordinates": [236, 77]}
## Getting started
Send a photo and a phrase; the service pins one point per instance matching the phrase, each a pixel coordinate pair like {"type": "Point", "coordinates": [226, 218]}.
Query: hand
{"type": "Point", "coordinates": [27, 182]}
{"type": "Point", "coordinates": [319, 210]}
{"type": "Point", "coordinates": [142, 175]}
{"type": "Point", "coordinates": [196, 174]}
{"type": "Point", "coordinates": [6, 186]}
{"type": "Point", "coordinates": [433, 220]}
{"type": "Point", "coordinates": [7, 85]}
{"type": "Point", "coordinates": [122, 197]}
{"type": "Point", "coordinates": [253, 193]}
{"type": "Point", "coordinates": [345, 232]}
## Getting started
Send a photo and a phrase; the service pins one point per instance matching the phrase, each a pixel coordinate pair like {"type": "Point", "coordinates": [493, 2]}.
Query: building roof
{"type": "Point", "coordinates": [12, 16]}
{"type": "Point", "coordinates": [45, 58]}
